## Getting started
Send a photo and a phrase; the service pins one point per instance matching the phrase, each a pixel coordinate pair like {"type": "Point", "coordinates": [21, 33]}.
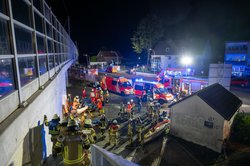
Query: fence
{"type": "Point", "coordinates": [102, 157]}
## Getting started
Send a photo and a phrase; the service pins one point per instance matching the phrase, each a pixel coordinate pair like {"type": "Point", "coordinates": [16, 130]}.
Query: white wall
{"type": "Point", "coordinates": [220, 73]}
{"type": "Point", "coordinates": [48, 102]}
{"type": "Point", "coordinates": [187, 122]}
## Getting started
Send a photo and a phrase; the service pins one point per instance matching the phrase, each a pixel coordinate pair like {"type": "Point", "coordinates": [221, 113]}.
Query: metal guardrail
{"type": "Point", "coordinates": [102, 157]}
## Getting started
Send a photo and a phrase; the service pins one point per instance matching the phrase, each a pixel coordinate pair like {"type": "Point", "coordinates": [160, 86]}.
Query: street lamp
{"type": "Point", "coordinates": [186, 60]}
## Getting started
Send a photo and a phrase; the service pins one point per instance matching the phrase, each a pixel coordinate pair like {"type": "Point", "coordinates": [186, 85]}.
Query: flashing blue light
{"type": "Point", "coordinates": [139, 80]}
{"type": "Point", "coordinates": [188, 70]}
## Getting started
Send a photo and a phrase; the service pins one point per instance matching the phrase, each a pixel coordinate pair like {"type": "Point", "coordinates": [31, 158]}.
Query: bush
{"type": "Point", "coordinates": [241, 128]}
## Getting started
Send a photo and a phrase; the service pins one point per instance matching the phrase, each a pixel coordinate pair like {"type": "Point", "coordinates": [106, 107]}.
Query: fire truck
{"type": "Point", "coordinates": [118, 85]}
{"type": "Point", "coordinates": [185, 85]}
{"type": "Point", "coordinates": [190, 85]}
{"type": "Point", "coordinates": [157, 91]}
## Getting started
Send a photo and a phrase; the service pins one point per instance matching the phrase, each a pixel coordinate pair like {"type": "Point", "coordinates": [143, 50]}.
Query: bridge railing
{"type": "Point", "coordinates": [102, 157]}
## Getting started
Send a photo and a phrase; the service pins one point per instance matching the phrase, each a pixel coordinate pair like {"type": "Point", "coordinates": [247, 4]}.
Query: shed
{"type": "Point", "coordinates": [205, 117]}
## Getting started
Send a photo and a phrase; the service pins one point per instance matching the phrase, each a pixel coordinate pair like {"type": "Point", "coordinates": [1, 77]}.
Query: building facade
{"type": "Point", "coordinates": [238, 54]}
{"type": "Point", "coordinates": [35, 53]}
{"type": "Point", "coordinates": [205, 117]}
{"type": "Point", "coordinates": [159, 62]}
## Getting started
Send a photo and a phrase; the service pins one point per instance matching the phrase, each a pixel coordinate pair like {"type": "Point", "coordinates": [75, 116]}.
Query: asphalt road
{"type": "Point", "coordinates": [149, 154]}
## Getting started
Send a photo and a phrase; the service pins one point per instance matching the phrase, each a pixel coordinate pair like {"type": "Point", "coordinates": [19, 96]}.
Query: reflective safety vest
{"type": "Point", "coordinates": [113, 129]}
{"type": "Point", "coordinates": [73, 149]}
{"type": "Point", "coordinates": [129, 107]}
{"type": "Point", "coordinates": [91, 134]}
{"type": "Point", "coordinates": [103, 124]}
{"type": "Point", "coordinates": [99, 105]}
{"type": "Point", "coordinates": [130, 132]}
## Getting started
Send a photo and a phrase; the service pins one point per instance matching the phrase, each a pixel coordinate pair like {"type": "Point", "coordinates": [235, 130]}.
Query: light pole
{"type": "Point", "coordinates": [186, 60]}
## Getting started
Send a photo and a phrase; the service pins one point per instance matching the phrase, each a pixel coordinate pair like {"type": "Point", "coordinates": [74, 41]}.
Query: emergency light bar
{"type": "Point", "coordinates": [139, 80]}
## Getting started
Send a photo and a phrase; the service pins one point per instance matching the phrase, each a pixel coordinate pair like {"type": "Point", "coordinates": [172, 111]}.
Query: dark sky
{"type": "Point", "coordinates": [110, 23]}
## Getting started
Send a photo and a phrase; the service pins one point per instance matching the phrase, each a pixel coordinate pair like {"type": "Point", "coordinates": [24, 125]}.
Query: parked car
{"type": "Point", "coordinates": [243, 82]}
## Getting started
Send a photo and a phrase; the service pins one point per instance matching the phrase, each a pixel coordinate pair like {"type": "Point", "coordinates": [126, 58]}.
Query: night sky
{"type": "Point", "coordinates": [97, 24]}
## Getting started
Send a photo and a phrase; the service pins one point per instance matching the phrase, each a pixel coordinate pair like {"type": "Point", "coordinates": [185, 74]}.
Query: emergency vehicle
{"type": "Point", "coordinates": [190, 85]}
{"type": "Point", "coordinates": [157, 90]}
{"type": "Point", "coordinates": [185, 85]}
{"type": "Point", "coordinates": [119, 85]}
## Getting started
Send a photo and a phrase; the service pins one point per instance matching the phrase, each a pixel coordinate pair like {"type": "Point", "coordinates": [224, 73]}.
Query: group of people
{"type": "Point", "coordinates": [127, 111]}
{"type": "Point", "coordinates": [70, 139]}
{"type": "Point", "coordinates": [98, 96]}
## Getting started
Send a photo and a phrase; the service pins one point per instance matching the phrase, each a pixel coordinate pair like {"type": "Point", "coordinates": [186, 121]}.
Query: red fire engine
{"type": "Point", "coordinates": [119, 85]}
{"type": "Point", "coordinates": [157, 90]}
{"type": "Point", "coordinates": [186, 85]}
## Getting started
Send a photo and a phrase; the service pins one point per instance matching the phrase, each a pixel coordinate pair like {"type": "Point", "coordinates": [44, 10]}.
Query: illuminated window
{"type": "Point", "coordinates": [40, 45]}
{"type": "Point", "coordinates": [27, 69]}
{"type": "Point", "coordinates": [6, 77]}
{"type": "Point", "coordinates": [4, 38]}
{"type": "Point", "coordinates": [21, 11]}
{"type": "Point", "coordinates": [3, 6]}
{"type": "Point", "coordinates": [42, 64]}
{"type": "Point", "coordinates": [38, 23]}
{"type": "Point", "coordinates": [23, 41]}
{"type": "Point", "coordinates": [51, 62]}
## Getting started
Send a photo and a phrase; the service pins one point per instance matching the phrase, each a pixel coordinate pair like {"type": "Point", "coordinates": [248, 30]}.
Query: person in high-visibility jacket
{"type": "Point", "coordinates": [73, 145]}
{"type": "Point", "coordinates": [86, 145]}
{"type": "Point", "coordinates": [103, 124]}
{"type": "Point", "coordinates": [99, 104]}
{"type": "Point", "coordinates": [106, 96]}
{"type": "Point", "coordinates": [63, 126]}
{"type": "Point", "coordinates": [84, 93]}
{"type": "Point", "coordinates": [88, 129]}
{"type": "Point", "coordinates": [101, 95]}
{"type": "Point", "coordinates": [54, 130]}
{"type": "Point", "coordinates": [130, 131]}
{"type": "Point", "coordinates": [92, 96]}
{"type": "Point", "coordinates": [113, 132]}
{"type": "Point", "coordinates": [129, 110]}
{"type": "Point", "coordinates": [139, 129]}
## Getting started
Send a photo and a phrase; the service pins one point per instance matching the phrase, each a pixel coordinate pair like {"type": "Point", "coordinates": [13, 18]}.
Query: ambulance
{"type": "Point", "coordinates": [157, 91]}
{"type": "Point", "coordinates": [118, 85]}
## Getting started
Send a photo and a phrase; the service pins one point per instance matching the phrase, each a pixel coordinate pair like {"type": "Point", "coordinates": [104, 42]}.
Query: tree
{"type": "Point", "coordinates": [148, 32]}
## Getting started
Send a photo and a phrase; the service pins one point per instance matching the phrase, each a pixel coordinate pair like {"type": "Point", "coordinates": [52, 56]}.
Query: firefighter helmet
{"type": "Point", "coordinates": [72, 123]}
{"type": "Point", "coordinates": [56, 117]}
{"type": "Point", "coordinates": [132, 100]}
{"type": "Point", "coordinates": [88, 122]}
{"type": "Point", "coordinates": [128, 102]}
{"type": "Point", "coordinates": [65, 121]}
{"type": "Point", "coordinates": [114, 121]}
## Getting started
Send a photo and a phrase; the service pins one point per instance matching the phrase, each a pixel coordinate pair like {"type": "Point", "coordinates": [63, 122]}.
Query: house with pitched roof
{"type": "Point", "coordinates": [109, 57]}
{"type": "Point", "coordinates": [205, 117]}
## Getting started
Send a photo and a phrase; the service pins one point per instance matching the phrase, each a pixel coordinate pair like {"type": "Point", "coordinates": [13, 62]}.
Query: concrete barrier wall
{"type": "Point", "coordinates": [48, 102]}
